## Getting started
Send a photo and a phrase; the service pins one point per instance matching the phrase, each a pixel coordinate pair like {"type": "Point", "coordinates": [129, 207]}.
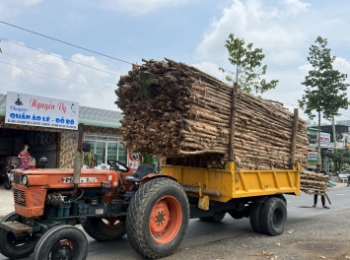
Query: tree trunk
{"type": "Point", "coordinates": [319, 159]}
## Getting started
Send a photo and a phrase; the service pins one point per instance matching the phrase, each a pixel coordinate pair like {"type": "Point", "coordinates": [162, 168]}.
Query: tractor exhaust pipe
{"type": "Point", "coordinates": [78, 163]}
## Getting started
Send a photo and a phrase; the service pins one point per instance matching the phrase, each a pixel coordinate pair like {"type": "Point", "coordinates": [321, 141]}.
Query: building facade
{"type": "Point", "coordinates": [101, 130]}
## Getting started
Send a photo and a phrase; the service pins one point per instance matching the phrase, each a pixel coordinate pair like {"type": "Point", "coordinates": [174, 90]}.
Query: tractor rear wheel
{"type": "Point", "coordinates": [157, 218]}
{"type": "Point", "coordinates": [273, 216]}
{"type": "Point", "coordinates": [16, 247]}
{"type": "Point", "coordinates": [104, 229]}
{"type": "Point", "coordinates": [216, 218]}
{"type": "Point", "coordinates": [63, 242]}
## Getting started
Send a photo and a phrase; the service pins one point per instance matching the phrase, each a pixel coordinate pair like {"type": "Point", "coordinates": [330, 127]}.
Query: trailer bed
{"type": "Point", "coordinates": [225, 184]}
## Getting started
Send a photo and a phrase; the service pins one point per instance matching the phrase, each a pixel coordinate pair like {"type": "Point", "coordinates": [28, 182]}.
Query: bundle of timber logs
{"type": "Point", "coordinates": [183, 114]}
{"type": "Point", "coordinates": [312, 182]}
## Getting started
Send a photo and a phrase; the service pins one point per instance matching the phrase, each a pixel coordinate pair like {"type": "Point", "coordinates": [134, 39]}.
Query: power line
{"type": "Point", "coordinates": [57, 56]}
{"type": "Point", "coordinates": [52, 76]}
{"type": "Point", "coordinates": [56, 67]}
{"type": "Point", "coordinates": [64, 42]}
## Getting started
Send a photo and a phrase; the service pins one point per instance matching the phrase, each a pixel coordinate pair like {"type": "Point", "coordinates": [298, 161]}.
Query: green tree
{"type": "Point", "coordinates": [340, 157]}
{"type": "Point", "coordinates": [248, 68]}
{"type": "Point", "coordinates": [325, 87]}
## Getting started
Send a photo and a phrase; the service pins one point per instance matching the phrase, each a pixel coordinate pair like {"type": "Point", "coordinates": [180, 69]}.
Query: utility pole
{"type": "Point", "coordinates": [334, 136]}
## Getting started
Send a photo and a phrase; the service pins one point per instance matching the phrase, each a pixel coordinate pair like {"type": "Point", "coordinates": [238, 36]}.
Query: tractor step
{"type": "Point", "coordinates": [16, 227]}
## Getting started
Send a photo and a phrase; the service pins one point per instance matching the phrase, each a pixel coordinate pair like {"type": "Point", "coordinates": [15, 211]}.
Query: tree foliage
{"type": "Point", "coordinates": [325, 87]}
{"type": "Point", "coordinates": [248, 67]}
{"type": "Point", "coordinates": [339, 157]}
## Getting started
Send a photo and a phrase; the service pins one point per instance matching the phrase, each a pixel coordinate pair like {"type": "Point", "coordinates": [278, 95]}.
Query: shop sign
{"type": "Point", "coordinates": [24, 109]}
{"type": "Point", "coordinates": [325, 139]}
{"type": "Point", "coordinates": [312, 159]}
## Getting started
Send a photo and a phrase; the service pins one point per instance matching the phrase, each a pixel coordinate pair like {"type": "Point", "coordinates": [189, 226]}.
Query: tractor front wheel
{"type": "Point", "coordinates": [16, 247]}
{"type": "Point", "coordinates": [104, 229]}
{"type": "Point", "coordinates": [62, 242]}
{"type": "Point", "coordinates": [157, 218]}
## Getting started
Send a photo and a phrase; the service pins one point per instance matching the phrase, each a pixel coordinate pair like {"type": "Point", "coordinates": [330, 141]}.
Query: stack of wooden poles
{"type": "Point", "coordinates": [312, 182]}
{"type": "Point", "coordinates": [183, 114]}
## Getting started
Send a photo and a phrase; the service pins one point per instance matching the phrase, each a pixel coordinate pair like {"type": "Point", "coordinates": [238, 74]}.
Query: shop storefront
{"type": "Point", "coordinates": [49, 128]}
{"type": "Point", "coordinates": [106, 148]}
{"type": "Point", "coordinates": [325, 141]}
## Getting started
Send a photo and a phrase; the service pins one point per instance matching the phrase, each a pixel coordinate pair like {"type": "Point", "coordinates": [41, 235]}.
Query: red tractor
{"type": "Point", "coordinates": [152, 209]}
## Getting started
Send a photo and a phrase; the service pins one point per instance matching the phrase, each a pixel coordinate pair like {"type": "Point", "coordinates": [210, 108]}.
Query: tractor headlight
{"type": "Point", "coordinates": [12, 177]}
{"type": "Point", "coordinates": [25, 180]}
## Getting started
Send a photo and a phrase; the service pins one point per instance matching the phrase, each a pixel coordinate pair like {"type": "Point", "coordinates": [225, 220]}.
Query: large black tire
{"type": "Point", "coordinates": [62, 242]}
{"type": "Point", "coordinates": [157, 218]}
{"type": "Point", "coordinates": [16, 247]}
{"type": "Point", "coordinates": [103, 229]}
{"type": "Point", "coordinates": [254, 217]}
{"type": "Point", "coordinates": [216, 218]}
{"type": "Point", "coordinates": [273, 216]}
{"type": "Point", "coordinates": [6, 182]}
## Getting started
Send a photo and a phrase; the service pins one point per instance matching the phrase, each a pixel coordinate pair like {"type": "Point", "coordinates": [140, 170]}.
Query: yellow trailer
{"type": "Point", "coordinates": [257, 194]}
{"type": "Point", "coordinates": [230, 183]}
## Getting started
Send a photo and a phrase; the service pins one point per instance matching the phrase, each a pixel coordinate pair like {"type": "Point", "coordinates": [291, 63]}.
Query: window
{"type": "Point", "coordinates": [107, 148]}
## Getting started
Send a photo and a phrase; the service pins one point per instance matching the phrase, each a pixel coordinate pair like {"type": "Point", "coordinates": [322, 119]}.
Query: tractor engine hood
{"type": "Point", "coordinates": [63, 178]}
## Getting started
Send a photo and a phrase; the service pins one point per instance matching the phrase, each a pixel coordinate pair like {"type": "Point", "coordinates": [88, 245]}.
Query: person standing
{"type": "Point", "coordinates": [348, 180]}
{"type": "Point", "coordinates": [323, 197]}
{"type": "Point", "coordinates": [24, 155]}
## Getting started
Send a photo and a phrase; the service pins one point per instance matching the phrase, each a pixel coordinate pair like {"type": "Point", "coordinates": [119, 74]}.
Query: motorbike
{"type": "Point", "coordinates": [7, 180]}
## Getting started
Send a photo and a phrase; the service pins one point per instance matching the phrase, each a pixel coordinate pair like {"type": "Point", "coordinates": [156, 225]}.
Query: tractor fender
{"type": "Point", "coordinates": [151, 176]}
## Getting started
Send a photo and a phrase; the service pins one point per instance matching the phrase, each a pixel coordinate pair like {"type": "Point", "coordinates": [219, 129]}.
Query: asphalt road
{"type": "Point", "coordinates": [201, 233]}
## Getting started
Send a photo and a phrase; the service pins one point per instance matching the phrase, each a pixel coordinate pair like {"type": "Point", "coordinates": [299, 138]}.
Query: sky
{"type": "Point", "coordinates": [189, 31]}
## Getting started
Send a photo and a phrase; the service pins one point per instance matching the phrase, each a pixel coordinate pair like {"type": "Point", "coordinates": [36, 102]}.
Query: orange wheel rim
{"type": "Point", "coordinates": [166, 219]}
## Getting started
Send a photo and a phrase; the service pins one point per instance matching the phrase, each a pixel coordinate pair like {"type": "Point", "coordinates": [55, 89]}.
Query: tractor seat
{"type": "Point", "coordinates": [141, 172]}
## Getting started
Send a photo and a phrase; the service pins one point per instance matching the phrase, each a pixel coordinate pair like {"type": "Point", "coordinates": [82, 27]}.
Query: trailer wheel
{"type": "Point", "coordinates": [104, 229]}
{"type": "Point", "coordinates": [157, 218]}
{"type": "Point", "coordinates": [16, 247]}
{"type": "Point", "coordinates": [216, 218]}
{"type": "Point", "coordinates": [254, 217]}
{"type": "Point", "coordinates": [62, 242]}
{"type": "Point", "coordinates": [273, 216]}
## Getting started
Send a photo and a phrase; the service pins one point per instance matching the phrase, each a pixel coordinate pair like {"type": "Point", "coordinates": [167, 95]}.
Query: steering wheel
{"type": "Point", "coordinates": [116, 165]}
